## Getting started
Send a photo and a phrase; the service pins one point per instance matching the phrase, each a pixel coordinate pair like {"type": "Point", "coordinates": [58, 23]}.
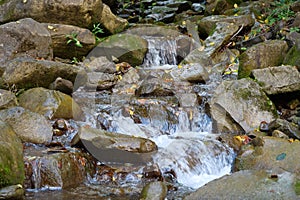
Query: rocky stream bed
{"type": "Point", "coordinates": [149, 99]}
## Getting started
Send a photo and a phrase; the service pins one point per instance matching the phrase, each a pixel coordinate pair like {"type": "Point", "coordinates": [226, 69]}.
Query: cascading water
{"type": "Point", "coordinates": [161, 51]}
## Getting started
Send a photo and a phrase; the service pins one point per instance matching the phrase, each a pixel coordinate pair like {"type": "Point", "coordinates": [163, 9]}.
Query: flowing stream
{"type": "Point", "coordinates": [187, 148]}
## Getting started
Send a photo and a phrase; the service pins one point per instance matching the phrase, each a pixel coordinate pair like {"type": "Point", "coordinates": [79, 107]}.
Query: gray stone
{"type": "Point", "coordinates": [100, 64]}
{"type": "Point", "coordinates": [266, 54]}
{"type": "Point", "coordinates": [25, 37]}
{"type": "Point", "coordinates": [278, 80]}
{"type": "Point", "coordinates": [154, 191]}
{"type": "Point", "coordinates": [194, 73]}
{"type": "Point", "coordinates": [240, 105]}
{"type": "Point", "coordinates": [29, 126]}
{"type": "Point", "coordinates": [16, 192]}
{"type": "Point", "coordinates": [115, 147]}
{"type": "Point", "coordinates": [247, 185]}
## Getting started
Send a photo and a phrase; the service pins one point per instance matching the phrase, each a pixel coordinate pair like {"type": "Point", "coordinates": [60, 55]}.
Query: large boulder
{"type": "Point", "coordinates": [112, 23]}
{"type": "Point", "coordinates": [56, 170]}
{"type": "Point", "coordinates": [115, 147]}
{"type": "Point", "coordinates": [240, 105]}
{"type": "Point", "coordinates": [209, 23]}
{"type": "Point", "coordinates": [278, 80]}
{"type": "Point", "coordinates": [29, 126]}
{"type": "Point", "coordinates": [25, 37]}
{"type": "Point", "coordinates": [76, 12]}
{"type": "Point", "coordinates": [274, 154]}
{"type": "Point", "coordinates": [61, 34]}
{"type": "Point", "coordinates": [249, 184]}
{"type": "Point", "coordinates": [293, 55]}
{"type": "Point", "coordinates": [50, 103]}
{"type": "Point", "coordinates": [28, 73]}
{"type": "Point", "coordinates": [266, 54]}
{"type": "Point", "coordinates": [11, 157]}
{"type": "Point", "coordinates": [125, 47]}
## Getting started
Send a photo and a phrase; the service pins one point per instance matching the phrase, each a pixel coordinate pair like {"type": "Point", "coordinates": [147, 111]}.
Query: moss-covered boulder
{"type": "Point", "coordinates": [50, 103]}
{"type": "Point", "coordinates": [266, 54]}
{"type": "Point", "coordinates": [125, 47]}
{"type": "Point", "coordinates": [28, 73]}
{"type": "Point", "coordinates": [29, 126]}
{"type": "Point", "coordinates": [293, 55]}
{"type": "Point", "coordinates": [240, 106]}
{"type": "Point", "coordinates": [11, 157]}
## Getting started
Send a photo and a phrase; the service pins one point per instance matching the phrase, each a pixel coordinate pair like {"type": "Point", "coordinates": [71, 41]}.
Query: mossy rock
{"type": "Point", "coordinates": [50, 103]}
{"type": "Point", "coordinates": [11, 157]}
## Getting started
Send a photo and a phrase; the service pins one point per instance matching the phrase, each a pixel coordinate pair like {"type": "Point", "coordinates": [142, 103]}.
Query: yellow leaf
{"type": "Point", "coordinates": [235, 14]}
{"type": "Point", "coordinates": [50, 27]}
{"type": "Point", "coordinates": [183, 23]}
{"type": "Point", "coordinates": [179, 66]}
{"type": "Point", "coordinates": [191, 115]}
{"type": "Point", "coordinates": [266, 21]}
{"type": "Point", "coordinates": [131, 112]}
{"type": "Point", "coordinates": [246, 37]}
{"type": "Point", "coordinates": [235, 5]}
{"type": "Point", "coordinates": [211, 44]}
{"type": "Point", "coordinates": [120, 77]}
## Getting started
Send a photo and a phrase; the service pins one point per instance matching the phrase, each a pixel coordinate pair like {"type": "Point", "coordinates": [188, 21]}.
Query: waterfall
{"type": "Point", "coordinates": [161, 51]}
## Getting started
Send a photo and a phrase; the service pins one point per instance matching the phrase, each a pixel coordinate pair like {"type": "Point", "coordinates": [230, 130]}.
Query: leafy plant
{"type": "Point", "coordinates": [294, 29]}
{"type": "Point", "coordinates": [72, 38]}
{"type": "Point", "coordinates": [75, 60]}
{"type": "Point", "coordinates": [97, 30]}
{"type": "Point", "coordinates": [280, 11]}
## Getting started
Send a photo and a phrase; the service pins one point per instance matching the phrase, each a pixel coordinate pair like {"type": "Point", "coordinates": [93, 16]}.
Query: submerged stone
{"type": "Point", "coordinates": [154, 190]}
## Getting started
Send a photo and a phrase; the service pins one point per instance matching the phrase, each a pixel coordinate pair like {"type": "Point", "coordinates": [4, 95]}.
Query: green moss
{"type": "Point", "coordinates": [293, 56]}
{"type": "Point", "coordinates": [297, 187]}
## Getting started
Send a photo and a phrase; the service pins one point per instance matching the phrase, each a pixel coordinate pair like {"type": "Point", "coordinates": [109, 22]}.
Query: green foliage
{"type": "Point", "coordinates": [280, 10]}
{"type": "Point", "coordinates": [72, 38]}
{"type": "Point", "coordinates": [294, 29]}
{"type": "Point", "coordinates": [75, 60]}
{"type": "Point", "coordinates": [96, 31]}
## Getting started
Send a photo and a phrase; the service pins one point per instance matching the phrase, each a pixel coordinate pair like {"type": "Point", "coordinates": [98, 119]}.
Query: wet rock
{"type": "Point", "coordinates": [101, 64]}
{"type": "Point", "coordinates": [59, 35]}
{"type": "Point", "coordinates": [209, 23]}
{"type": "Point", "coordinates": [154, 190]}
{"type": "Point", "coordinates": [57, 170]}
{"type": "Point", "coordinates": [249, 184]}
{"type": "Point", "coordinates": [154, 87]}
{"type": "Point", "coordinates": [62, 85]}
{"type": "Point", "coordinates": [29, 73]}
{"type": "Point", "coordinates": [194, 73]}
{"type": "Point", "coordinates": [100, 81]}
{"type": "Point", "coordinates": [276, 155]}
{"type": "Point", "coordinates": [7, 99]}
{"type": "Point", "coordinates": [115, 147]}
{"type": "Point", "coordinates": [240, 105]}
{"type": "Point", "coordinates": [16, 192]}
{"type": "Point", "coordinates": [289, 128]}
{"type": "Point", "coordinates": [25, 37]}
{"type": "Point", "coordinates": [279, 134]}
{"type": "Point", "coordinates": [11, 159]}
{"type": "Point", "coordinates": [112, 23]}
{"type": "Point", "coordinates": [188, 100]}
{"type": "Point", "coordinates": [78, 12]}
{"type": "Point", "coordinates": [208, 56]}
{"type": "Point", "coordinates": [50, 103]}
{"type": "Point", "coordinates": [278, 80]}
{"type": "Point", "coordinates": [262, 55]}
{"type": "Point", "coordinates": [125, 47]}
{"type": "Point", "coordinates": [29, 126]}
